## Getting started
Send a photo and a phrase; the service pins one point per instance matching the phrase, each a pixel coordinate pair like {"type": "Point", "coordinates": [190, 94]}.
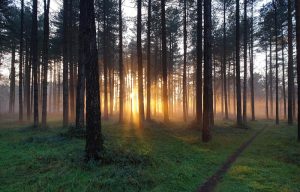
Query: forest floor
{"type": "Point", "coordinates": [157, 158]}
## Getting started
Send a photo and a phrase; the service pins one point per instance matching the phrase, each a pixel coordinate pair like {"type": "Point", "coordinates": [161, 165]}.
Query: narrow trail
{"type": "Point", "coordinates": [212, 182]}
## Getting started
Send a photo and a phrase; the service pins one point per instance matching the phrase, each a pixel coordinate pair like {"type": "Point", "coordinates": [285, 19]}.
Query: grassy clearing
{"type": "Point", "coordinates": [271, 163]}
{"type": "Point", "coordinates": [157, 158]}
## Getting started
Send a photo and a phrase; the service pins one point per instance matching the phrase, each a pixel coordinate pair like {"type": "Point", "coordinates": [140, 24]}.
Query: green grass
{"type": "Point", "coordinates": [158, 158]}
{"type": "Point", "coordinates": [271, 163]}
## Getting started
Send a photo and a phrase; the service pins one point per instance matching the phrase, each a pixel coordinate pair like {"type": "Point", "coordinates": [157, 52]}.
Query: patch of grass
{"type": "Point", "coordinates": [271, 163]}
{"type": "Point", "coordinates": [160, 157]}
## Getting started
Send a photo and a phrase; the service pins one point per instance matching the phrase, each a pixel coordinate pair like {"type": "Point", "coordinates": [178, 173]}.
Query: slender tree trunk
{"type": "Point", "coordinates": [148, 113]}
{"type": "Point", "coordinates": [140, 64]}
{"type": "Point", "coordinates": [208, 92]}
{"type": "Point", "coordinates": [58, 88]}
{"type": "Point", "coordinates": [12, 86]}
{"type": "Point", "coordinates": [238, 78]}
{"type": "Point", "coordinates": [224, 61]}
{"type": "Point", "coordinates": [87, 28]}
{"type": "Point", "coordinates": [121, 70]}
{"type": "Point", "coordinates": [245, 63]}
{"type": "Point", "coordinates": [276, 57]}
{"type": "Point", "coordinates": [35, 64]}
{"type": "Point", "coordinates": [290, 65]}
{"type": "Point", "coordinates": [45, 61]}
{"type": "Point", "coordinates": [27, 79]}
{"type": "Point", "coordinates": [199, 65]}
{"type": "Point", "coordinates": [65, 65]}
{"type": "Point", "coordinates": [228, 90]}
{"type": "Point", "coordinates": [71, 61]}
{"type": "Point", "coordinates": [21, 64]}
{"type": "Point", "coordinates": [184, 89]}
{"type": "Point", "coordinates": [111, 90]}
{"type": "Point", "coordinates": [164, 63]}
{"type": "Point", "coordinates": [105, 65]}
{"type": "Point", "coordinates": [80, 87]}
{"type": "Point", "coordinates": [271, 78]}
{"type": "Point", "coordinates": [215, 88]}
{"type": "Point", "coordinates": [297, 5]}
{"type": "Point", "coordinates": [251, 67]}
{"type": "Point", "coordinates": [267, 87]}
{"type": "Point", "coordinates": [283, 76]}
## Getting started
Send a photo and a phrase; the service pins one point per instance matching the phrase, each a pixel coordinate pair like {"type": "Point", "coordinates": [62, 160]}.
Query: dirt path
{"type": "Point", "coordinates": [212, 182]}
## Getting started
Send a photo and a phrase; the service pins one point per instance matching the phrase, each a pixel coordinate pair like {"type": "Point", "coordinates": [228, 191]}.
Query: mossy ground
{"type": "Point", "coordinates": [157, 158]}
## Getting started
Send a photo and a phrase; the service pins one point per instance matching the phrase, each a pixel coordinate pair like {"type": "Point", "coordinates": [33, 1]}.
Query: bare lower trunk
{"type": "Point", "coordinates": [89, 58]}
{"type": "Point", "coordinates": [208, 92]}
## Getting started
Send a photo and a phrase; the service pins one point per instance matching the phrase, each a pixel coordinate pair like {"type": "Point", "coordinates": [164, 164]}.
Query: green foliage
{"type": "Point", "coordinates": [271, 163]}
{"type": "Point", "coordinates": [161, 157]}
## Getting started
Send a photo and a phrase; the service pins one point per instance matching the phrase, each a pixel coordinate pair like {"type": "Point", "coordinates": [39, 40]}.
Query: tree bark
{"type": "Point", "coordinates": [271, 78]}
{"type": "Point", "coordinates": [297, 6]}
{"type": "Point", "coordinates": [105, 65]}
{"type": "Point", "coordinates": [283, 75]}
{"type": "Point", "coordinates": [164, 62]}
{"type": "Point", "coordinates": [251, 66]}
{"type": "Point", "coordinates": [45, 62]}
{"type": "Point", "coordinates": [184, 88]}
{"type": "Point", "coordinates": [224, 61]}
{"type": "Point", "coordinates": [276, 57]}
{"type": "Point", "coordinates": [237, 60]}
{"type": "Point", "coordinates": [65, 65]}
{"type": "Point", "coordinates": [21, 64]}
{"type": "Point", "coordinates": [245, 63]}
{"type": "Point", "coordinates": [290, 65]}
{"type": "Point", "coordinates": [89, 59]}
{"type": "Point", "coordinates": [12, 93]}
{"type": "Point", "coordinates": [148, 112]}
{"type": "Point", "coordinates": [140, 64]}
{"type": "Point", "coordinates": [121, 70]}
{"type": "Point", "coordinates": [267, 87]}
{"type": "Point", "coordinates": [208, 92]}
{"type": "Point", "coordinates": [35, 65]}
{"type": "Point", "coordinates": [199, 65]}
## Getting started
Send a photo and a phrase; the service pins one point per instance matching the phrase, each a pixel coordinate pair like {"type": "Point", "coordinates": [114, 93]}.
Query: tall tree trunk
{"type": "Point", "coordinates": [245, 63]}
{"type": "Point", "coordinates": [224, 61]}
{"type": "Point", "coordinates": [237, 60]}
{"type": "Point", "coordinates": [12, 86]}
{"type": "Point", "coordinates": [111, 90]}
{"type": "Point", "coordinates": [297, 5]}
{"type": "Point", "coordinates": [184, 89]}
{"type": "Point", "coordinates": [208, 92]}
{"type": "Point", "coordinates": [290, 64]}
{"type": "Point", "coordinates": [65, 65]}
{"type": "Point", "coordinates": [140, 63]}
{"type": "Point", "coordinates": [148, 112]}
{"type": "Point", "coordinates": [27, 79]}
{"type": "Point", "coordinates": [35, 64]}
{"type": "Point", "coordinates": [80, 86]}
{"type": "Point", "coordinates": [121, 70]}
{"type": "Point", "coordinates": [45, 61]}
{"type": "Point", "coordinates": [276, 57]}
{"type": "Point", "coordinates": [267, 87]}
{"type": "Point", "coordinates": [58, 87]}
{"type": "Point", "coordinates": [105, 64]}
{"type": "Point", "coordinates": [89, 58]}
{"type": "Point", "coordinates": [71, 61]}
{"type": "Point", "coordinates": [283, 75]}
{"type": "Point", "coordinates": [251, 66]}
{"type": "Point", "coordinates": [21, 64]}
{"type": "Point", "coordinates": [164, 62]}
{"type": "Point", "coordinates": [199, 65]}
{"type": "Point", "coordinates": [271, 78]}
